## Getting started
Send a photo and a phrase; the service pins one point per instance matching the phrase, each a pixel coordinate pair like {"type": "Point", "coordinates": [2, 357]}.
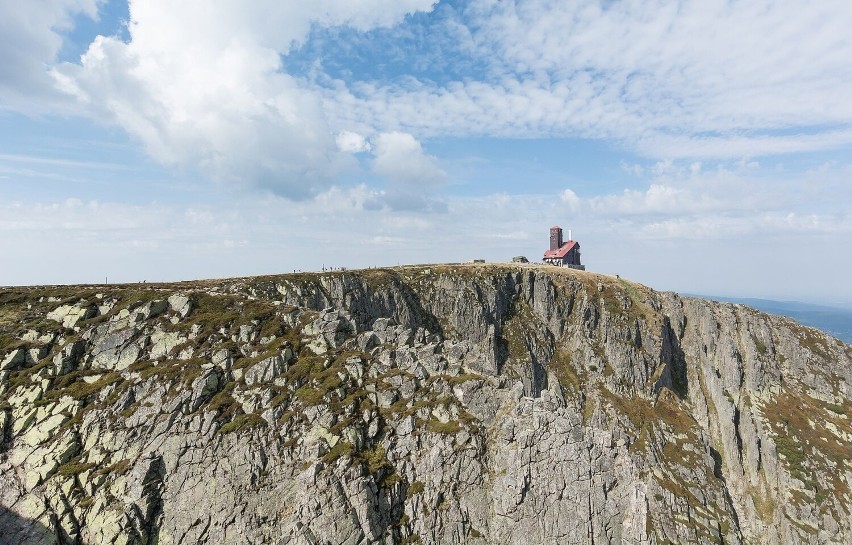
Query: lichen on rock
{"type": "Point", "coordinates": [440, 404]}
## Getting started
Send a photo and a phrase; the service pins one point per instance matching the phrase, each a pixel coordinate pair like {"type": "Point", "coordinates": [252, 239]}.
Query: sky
{"type": "Point", "coordinates": [695, 146]}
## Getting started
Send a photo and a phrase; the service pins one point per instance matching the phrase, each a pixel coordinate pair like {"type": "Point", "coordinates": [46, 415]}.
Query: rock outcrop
{"type": "Point", "coordinates": [440, 404]}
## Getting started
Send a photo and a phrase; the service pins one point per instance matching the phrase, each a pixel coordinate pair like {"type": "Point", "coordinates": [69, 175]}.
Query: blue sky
{"type": "Point", "coordinates": [692, 146]}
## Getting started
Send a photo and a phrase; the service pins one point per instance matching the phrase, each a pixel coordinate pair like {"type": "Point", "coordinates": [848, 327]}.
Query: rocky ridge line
{"type": "Point", "coordinates": [441, 404]}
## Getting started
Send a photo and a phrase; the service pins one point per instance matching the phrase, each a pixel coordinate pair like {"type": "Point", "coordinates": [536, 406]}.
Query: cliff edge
{"type": "Point", "coordinates": [440, 404]}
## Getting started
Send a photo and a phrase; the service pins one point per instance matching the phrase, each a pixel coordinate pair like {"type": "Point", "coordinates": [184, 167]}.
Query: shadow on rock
{"type": "Point", "coordinates": [15, 530]}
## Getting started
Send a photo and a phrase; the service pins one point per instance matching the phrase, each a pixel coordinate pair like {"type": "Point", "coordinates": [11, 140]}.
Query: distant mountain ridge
{"type": "Point", "coordinates": [835, 321]}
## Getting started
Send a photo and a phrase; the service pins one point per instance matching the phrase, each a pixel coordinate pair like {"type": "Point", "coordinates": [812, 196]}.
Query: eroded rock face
{"type": "Point", "coordinates": [467, 404]}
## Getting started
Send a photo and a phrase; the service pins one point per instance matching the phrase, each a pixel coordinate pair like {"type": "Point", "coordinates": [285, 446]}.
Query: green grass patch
{"type": "Point", "coordinates": [81, 389]}
{"type": "Point", "coordinates": [309, 396]}
{"type": "Point", "coordinates": [72, 469]}
{"type": "Point", "coordinates": [451, 427]}
{"type": "Point", "coordinates": [562, 366]}
{"type": "Point", "coordinates": [185, 371]}
{"type": "Point", "coordinates": [212, 312]}
{"type": "Point", "coordinates": [799, 426]}
{"type": "Point", "coordinates": [118, 468]}
{"type": "Point", "coordinates": [10, 342]}
{"type": "Point", "coordinates": [376, 458]}
{"type": "Point", "coordinates": [836, 409]}
{"type": "Point", "coordinates": [461, 379]}
{"type": "Point", "coordinates": [243, 422]}
{"type": "Point", "coordinates": [761, 348]}
{"type": "Point", "coordinates": [811, 340]}
{"type": "Point", "coordinates": [342, 448]}
{"type": "Point", "coordinates": [416, 487]}
{"type": "Point", "coordinates": [223, 402]}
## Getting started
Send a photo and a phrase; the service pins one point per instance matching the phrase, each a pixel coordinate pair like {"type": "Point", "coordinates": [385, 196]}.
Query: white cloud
{"type": "Point", "coordinates": [390, 242]}
{"type": "Point", "coordinates": [571, 199]}
{"type": "Point", "coordinates": [201, 85]}
{"type": "Point", "coordinates": [30, 38]}
{"type": "Point", "coordinates": [65, 163]}
{"type": "Point", "coordinates": [687, 201]}
{"type": "Point", "coordinates": [655, 200]}
{"type": "Point", "coordinates": [352, 142]}
{"type": "Point", "coordinates": [401, 158]}
{"type": "Point", "coordinates": [783, 224]}
{"type": "Point", "coordinates": [701, 79]}
{"type": "Point", "coordinates": [413, 177]}
{"type": "Point", "coordinates": [664, 167]}
{"type": "Point", "coordinates": [632, 169]}
{"type": "Point", "coordinates": [744, 145]}
{"type": "Point", "coordinates": [667, 248]}
{"type": "Point", "coordinates": [406, 201]}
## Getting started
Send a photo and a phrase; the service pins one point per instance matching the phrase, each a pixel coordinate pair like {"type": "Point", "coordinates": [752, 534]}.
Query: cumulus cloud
{"type": "Point", "coordinates": [570, 199]}
{"type": "Point", "coordinates": [412, 175]}
{"type": "Point", "coordinates": [632, 168]}
{"type": "Point", "coordinates": [683, 190]}
{"type": "Point", "coordinates": [30, 38]}
{"type": "Point", "coordinates": [401, 158]}
{"type": "Point", "coordinates": [352, 142]}
{"type": "Point", "coordinates": [201, 85]}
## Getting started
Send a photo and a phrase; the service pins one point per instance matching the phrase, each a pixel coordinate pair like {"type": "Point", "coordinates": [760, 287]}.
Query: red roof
{"type": "Point", "coordinates": [555, 227]}
{"type": "Point", "coordinates": [561, 252]}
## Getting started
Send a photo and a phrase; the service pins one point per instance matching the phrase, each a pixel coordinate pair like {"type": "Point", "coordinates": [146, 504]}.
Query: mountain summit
{"type": "Point", "coordinates": [435, 404]}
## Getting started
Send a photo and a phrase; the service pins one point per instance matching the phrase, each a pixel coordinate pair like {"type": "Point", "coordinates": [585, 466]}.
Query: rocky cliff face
{"type": "Point", "coordinates": [446, 404]}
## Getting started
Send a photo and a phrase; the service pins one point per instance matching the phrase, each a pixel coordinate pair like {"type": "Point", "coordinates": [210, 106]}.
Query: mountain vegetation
{"type": "Point", "coordinates": [434, 404]}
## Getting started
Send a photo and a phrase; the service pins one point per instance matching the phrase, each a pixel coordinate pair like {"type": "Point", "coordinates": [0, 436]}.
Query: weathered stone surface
{"type": "Point", "coordinates": [149, 310]}
{"type": "Point", "coordinates": [13, 359]}
{"type": "Point", "coordinates": [115, 349]}
{"type": "Point", "coordinates": [204, 387]}
{"type": "Point", "coordinates": [163, 343]}
{"type": "Point", "coordinates": [269, 368]}
{"type": "Point", "coordinates": [181, 304]}
{"type": "Point", "coordinates": [68, 357]}
{"type": "Point", "coordinates": [439, 405]}
{"type": "Point", "coordinates": [69, 315]}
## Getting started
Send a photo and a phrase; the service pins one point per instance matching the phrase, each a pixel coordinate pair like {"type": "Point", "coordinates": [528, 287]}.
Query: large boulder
{"type": "Point", "coordinates": [69, 315]}
{"type": "Point", "coordinates": [181, 304]}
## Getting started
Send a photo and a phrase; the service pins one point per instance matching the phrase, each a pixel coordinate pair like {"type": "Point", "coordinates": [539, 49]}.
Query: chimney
{"type": "Point", "coordinates": [569, 235]}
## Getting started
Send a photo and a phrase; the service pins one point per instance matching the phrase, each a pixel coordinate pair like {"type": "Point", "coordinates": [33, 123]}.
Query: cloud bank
{"type": "Point", "coordinates": [669, 79]}
{"type": "Point", "coordinates": [646, 235]}
{"type": "Point", "coordinates": [201, 85]}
